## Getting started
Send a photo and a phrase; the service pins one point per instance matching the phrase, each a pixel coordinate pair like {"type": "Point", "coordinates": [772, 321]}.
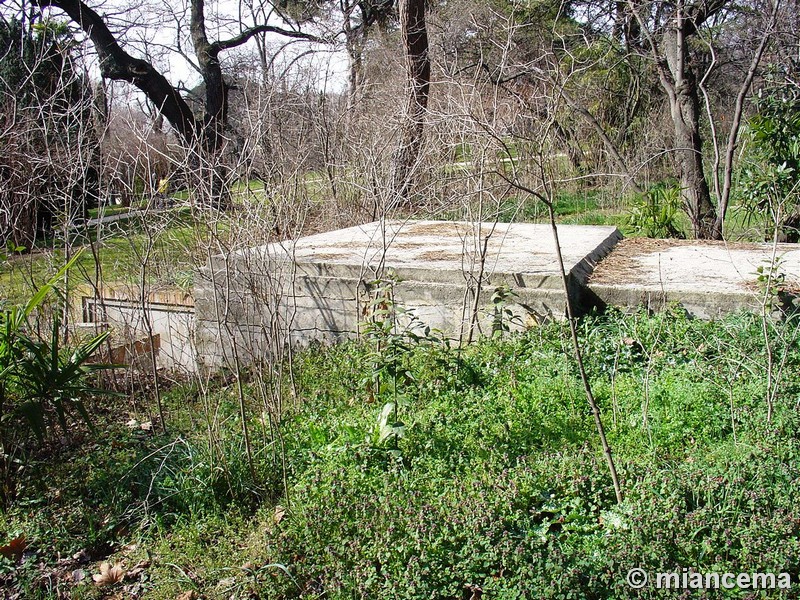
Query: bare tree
{"type": "Point", "coordinates": [203, 133]}
{"type": "Point", "coordinates": [666, 32]}
{"type": "Point", "coordinates": [50, 144]}
{"type": "Point", "coordinates": [418, 65]}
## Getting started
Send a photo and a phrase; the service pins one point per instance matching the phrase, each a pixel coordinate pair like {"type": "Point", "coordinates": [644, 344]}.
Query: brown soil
{"type": "Point", "coordinates": [443, 228]}
{"type": "Point", "coordinates": [439, 255]}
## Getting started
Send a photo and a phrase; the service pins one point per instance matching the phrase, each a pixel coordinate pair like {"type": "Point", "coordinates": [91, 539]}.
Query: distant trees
{"type": "Point", "coordinates": [204, 133]}
{"type": "Point", "coordinates": [359, 18]}
{"type": "Point", "coordinates": [49, 142]}
{"type": "Point", "coordinates": [608, 76]}
{"type": "Point", "coordinates": [692, 45]}
{"type": "Point", "coordinates": [638, 90]}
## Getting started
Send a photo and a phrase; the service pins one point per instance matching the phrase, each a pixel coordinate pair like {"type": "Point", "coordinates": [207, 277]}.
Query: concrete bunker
{"type": "Point", "coordinates": [320, 287]}
{"type": "Point", "coordinates": [252, 304]}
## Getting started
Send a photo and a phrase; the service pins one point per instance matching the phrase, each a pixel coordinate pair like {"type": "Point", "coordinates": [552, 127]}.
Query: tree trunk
{"type": "Point", "coordinates": [680, 83]}
{"type": "Point", "coordinates": [356, 67]}
{"type": "Point", "coordinates": [418, 64]}
{"type": "Point", "coordinates": [689, 146]}
{"type": "Point", "coordinates": [116, 64]}
{"type": "Point", "coordinates": [216, 101]}
{"type": "Point", "coordinates": [216, 111]}
{"type": "Point", "coordinates": [354, 43]}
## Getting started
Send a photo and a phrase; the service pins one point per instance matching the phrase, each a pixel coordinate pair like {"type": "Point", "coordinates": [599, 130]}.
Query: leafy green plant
{"type": "Point", "coordinates": [771, 282]}
{"type": "Point", "coordinates": [778, 324]}
{"type": "Point", "coordinates": [52, 380]}
{"type": "Point", "coordinates": [655, 213]}
{"type": "Point", "coordinates": [10, 249]}
{"type": "Point", "coordinates": [502, 316]}
{"type": "Point", "coordinates": [13, 321]}
{"type": "Point", "coordinates": [393, 332]}
{"type": "Point", "coordinates": [770, 184]}
{"type": "Point", "coordinates": [42, 380]}
{"type": "Point", "coordinates": [496, 489]}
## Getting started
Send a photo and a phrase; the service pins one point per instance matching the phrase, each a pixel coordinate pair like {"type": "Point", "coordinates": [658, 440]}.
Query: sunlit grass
{"type": "Point", "coordinates": [165, 256]}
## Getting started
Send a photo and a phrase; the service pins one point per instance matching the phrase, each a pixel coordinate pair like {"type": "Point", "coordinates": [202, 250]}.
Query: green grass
{"type": "Point", "coordinates": [245, 192]}
{"type": "Point", "coordinates": [121, 255]}
{"type": "Point", "coordinates": [578, 208]}
{"type": "Point", "coordinates": [599, 207]}
{"type": "Point", "coordinates": [108, 211]}
{"type": "Point", "coordinates": [498, 480]}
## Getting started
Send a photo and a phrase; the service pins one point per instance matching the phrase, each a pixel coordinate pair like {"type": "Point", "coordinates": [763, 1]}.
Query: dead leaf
{"type": "Point", "coordinates": [78, 575]}
{"type": "Point", "coordinates": [137, 569]}
{"type": "Point", "coordinates": [280, 512]}
{"type": "Point", "coordinates": [190, 595]}
{"type": "Point", "coordinates": [15, 548]}
{"type": "Point", "coordinates": [132, 424]}
{"type": "Point", "coordinates": [109, 574]}
{"type": "Point", "coordinates": [146, 426]}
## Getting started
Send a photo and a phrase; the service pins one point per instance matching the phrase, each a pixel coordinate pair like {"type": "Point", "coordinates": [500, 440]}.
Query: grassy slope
{"type": "Point", "coordinates": [498, 481]}
{"type": "Point", "coordinates": [167, 244]}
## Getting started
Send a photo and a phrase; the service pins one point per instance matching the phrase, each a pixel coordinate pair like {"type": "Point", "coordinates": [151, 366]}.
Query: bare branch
{"type": "Point", "coordinates": [118, 65]}
{"type": "Point", "coordinates": [245, 36]}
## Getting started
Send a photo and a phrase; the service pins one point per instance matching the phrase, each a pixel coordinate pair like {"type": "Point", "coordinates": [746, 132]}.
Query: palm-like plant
{"type": "Point", "coordinates": [53, 380]}
{"type": "Point", "coordinates": [39, 377]}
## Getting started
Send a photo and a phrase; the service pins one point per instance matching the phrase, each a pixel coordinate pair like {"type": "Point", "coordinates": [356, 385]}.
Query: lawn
{"type": "Point", "coordinates": [165, 247]}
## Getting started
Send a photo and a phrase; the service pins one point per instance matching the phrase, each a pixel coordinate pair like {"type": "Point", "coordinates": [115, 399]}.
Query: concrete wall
{"type": "Point", "coordinates": [251, 304]}
{"type": "Point", "coordinates": [118, 307]}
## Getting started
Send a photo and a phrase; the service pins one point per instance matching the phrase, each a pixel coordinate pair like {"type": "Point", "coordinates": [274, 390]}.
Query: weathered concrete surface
{"type": "Point", "coordinates": [118, 307]}
{"type": "Point", "coordinates": [321, 287]}
{"type": "Point", "coordinates": [252, 304]}
{"type": "Point", "coordinates": [709, 279]}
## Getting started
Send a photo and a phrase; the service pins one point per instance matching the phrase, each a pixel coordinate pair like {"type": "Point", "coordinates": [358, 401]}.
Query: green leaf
{"type": "Point", "coordinates": [42, 292]}
{"type": "Point", "coordinates": [34, 414]}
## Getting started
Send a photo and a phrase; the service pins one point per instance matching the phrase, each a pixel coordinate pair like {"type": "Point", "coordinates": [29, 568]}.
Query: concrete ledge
{"type": "Point", "coordinates": [709, 279]}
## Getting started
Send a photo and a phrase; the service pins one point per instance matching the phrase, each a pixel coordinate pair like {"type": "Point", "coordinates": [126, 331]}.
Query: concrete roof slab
{"type": "Point", "coordinates": [419, 250]}
{"type": "Point", "coordinates": [709, 278]}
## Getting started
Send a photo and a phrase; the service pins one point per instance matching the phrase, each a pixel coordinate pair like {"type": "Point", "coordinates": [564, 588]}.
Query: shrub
{"type": "Point", "coordinates": [42, 381]}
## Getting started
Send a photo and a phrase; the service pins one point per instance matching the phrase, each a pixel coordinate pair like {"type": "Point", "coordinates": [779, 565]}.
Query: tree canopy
{"type": "Point", "coordinates": [637, 91]}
